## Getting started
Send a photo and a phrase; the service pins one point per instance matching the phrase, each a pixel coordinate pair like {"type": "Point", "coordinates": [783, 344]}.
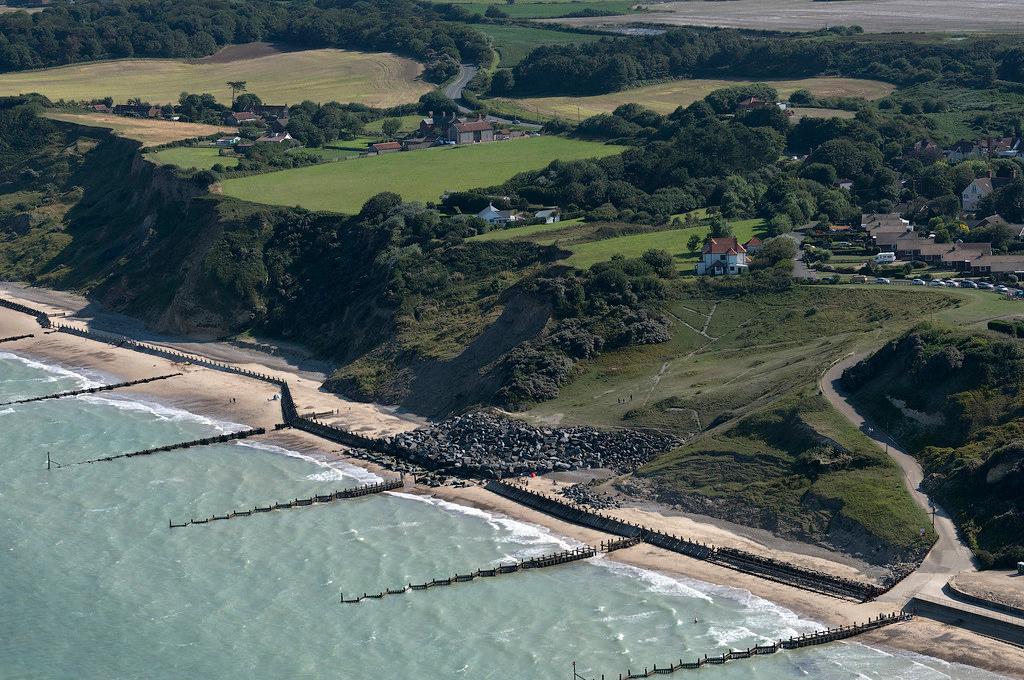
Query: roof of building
{"type": "Point", "coordinates": [386, 146]}
{"type": "Point", "coordinates": [473, 126]}
{"type": "Point", "coordinates": [1000, 263]}
{"type": "Point", "coordinates": [728, 245]}
{"type": "Point", "coordinates": [276, 137]}
{"type": "Point", "coordinates": [754, 241]}
{"type": "Point", "coordinates": [547, 212]}
{"type": "Point", "coordinates": [990, 184]}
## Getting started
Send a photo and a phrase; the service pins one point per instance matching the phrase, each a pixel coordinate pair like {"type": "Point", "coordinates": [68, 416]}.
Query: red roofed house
{"type": "Point", "coordinates": [385, 147]}
{"type": "Point", "coordinates": [722, 256]}
{"type": "Point", "coordinates": [471, 131]}
{"type": "Point", "coordinates": [753, 245]}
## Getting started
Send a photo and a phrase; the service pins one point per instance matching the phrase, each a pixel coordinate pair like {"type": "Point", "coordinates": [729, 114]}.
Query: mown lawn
{"type": "Point", "coordinates": [416, 175]}
{"type": "Point", "coordinates": [198, 157]}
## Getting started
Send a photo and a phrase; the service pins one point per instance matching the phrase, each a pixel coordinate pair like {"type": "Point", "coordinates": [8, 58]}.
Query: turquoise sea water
{"type": "Point", "coordinates": [93, 584]}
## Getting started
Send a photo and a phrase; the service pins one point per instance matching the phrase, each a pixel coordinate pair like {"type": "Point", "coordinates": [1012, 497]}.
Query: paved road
{"type": "Point", "coordinates": [949, 556]}
{"type": "Point", "coordinates": [453, 91]}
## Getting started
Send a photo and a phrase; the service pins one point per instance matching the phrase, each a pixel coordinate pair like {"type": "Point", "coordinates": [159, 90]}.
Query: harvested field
{"type": "Point", "coordinates": [375, 79]}
{"type": "Point", "coordinates": [876, 16]}
{"type": "Point", "coordinates": [665, 97]}
{"type": "Point", "coordinates": [149, 132]}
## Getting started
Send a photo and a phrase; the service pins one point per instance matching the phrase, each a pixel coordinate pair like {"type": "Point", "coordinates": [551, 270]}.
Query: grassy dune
{"type": "Point", "coordinates": [416, 175]}
{"type": "Point", "coordinates": [149, 132]}
{"type": "Point", "coordinates": [378, 79]}
{"type": "Point", "coordinates": [666, 97]}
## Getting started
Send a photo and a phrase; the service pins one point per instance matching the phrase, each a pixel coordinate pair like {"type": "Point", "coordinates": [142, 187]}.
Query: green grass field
{"type": "Point", "coordinates": [409, 123]}
{"type": "Point", "coordinates": [416, 175]}
{"type": "Point", "coordinates": [532, 232]}
{"type": "Point", "coordinates": [198, 157]}
{"type": "Point", "coordinates": [515, 42]}
{"type": "Point", "coordinates": [375, 79]}
{"type": "Point", "coordinates": [672, 241]}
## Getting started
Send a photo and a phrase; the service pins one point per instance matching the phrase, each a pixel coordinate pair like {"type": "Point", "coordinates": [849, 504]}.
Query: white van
{"type": "Point", "coordinates": [885, 258]}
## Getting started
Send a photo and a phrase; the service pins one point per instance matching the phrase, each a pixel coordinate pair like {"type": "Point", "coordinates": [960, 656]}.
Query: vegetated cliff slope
{"type": "Point", "coordinates": [955, 400]}
{"type": "Point", "coordinates": [413, 313]}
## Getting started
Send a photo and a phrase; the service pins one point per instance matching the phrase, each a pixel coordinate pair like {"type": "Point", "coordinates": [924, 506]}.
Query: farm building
{"type": "Point", "coordinates": [384, 147]}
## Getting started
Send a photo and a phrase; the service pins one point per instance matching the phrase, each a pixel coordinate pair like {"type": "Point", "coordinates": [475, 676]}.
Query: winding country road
{"type": "Point", "coordinates": [453, 91]}
{"type": "Point", "coordinates": [949, 556]}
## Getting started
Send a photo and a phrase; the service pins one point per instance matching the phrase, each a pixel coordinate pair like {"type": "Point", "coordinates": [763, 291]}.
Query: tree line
{"type": "Point", "coordinates": [613, 64]}
{"type": "Point", "coordinates": [90, 30]}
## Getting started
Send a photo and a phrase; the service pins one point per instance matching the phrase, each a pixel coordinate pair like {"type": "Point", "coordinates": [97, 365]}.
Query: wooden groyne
{"type": "Point", "coordinates": [820, 637]}
{"type": "Point", "coordinates": [541, 562]}
{"type": "Point", "coordinates": [41, 317]}
{"type": "Point", "coordinates": [205, 441]}
{"type": "Point", "coordinates": [365, 490]}
{"type": "Point", "coordinates": [16, 337]}
{"type": "Point", "coordinates": [164, 352]}
{"type": "Point", "coordinates": [92, 390]}
{"type": "Point", "coordinates": [739, 560]}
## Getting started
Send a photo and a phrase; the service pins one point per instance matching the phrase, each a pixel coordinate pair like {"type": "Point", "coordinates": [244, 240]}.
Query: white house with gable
{"type": "Point", "coordinates": [499, 218]}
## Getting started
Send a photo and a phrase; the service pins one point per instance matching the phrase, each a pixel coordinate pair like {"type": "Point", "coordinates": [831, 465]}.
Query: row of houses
{"type": "Point", "coordinates": [988, 147]}
{"type": "Point", "coordinates": [890, 233]}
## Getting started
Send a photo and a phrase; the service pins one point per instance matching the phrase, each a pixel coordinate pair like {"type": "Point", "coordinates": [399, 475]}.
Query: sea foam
{"type": "Point", "coordinates": [333, 470]}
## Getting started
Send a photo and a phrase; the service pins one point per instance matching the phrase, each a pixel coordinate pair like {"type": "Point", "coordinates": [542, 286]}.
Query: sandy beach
{"type": "Point", "coordinates": [250, 402]}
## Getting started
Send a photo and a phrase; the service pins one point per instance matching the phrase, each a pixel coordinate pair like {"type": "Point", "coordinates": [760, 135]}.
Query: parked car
{"type": "Point", "coordinates": [1002, 289]}
{"type": "Point", "coordinates": [937, 284]}
{"type": "Point", "coordinates": [968, 284]}
{"type": "Point", "coordinates": [952, 284]}
{"type": "Point", "coordinates": [882, 279]}
{"type": "Point", "coordinates": [985, 285]}
{"type": "Point", "coordinates": [917, 282]}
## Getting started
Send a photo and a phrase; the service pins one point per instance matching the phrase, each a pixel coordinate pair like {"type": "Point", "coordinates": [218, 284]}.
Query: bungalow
{"type": "Point", "coordinates": [471, 132]}
{"type": "Point", "coordinates": [548, 215]}
{"type": "Point", "coordinates": [722, 256]}
{"type": "Point", "coordinates": [997, 264]}
{"type": "Point", "coordinates": [961, 255]}
{"type": "Point", "coordinates": [979, 189]}
{"type": "Point", "coordinates": [276, 138]}
{"type": "Point", "coordinates": [228, 141]}
{"type": "Point", "coordinates": [384, 147]}
{"type": "Point", "coordinates": [499, 218]}
{"type": "Point", "coordinates": [891, 240]}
